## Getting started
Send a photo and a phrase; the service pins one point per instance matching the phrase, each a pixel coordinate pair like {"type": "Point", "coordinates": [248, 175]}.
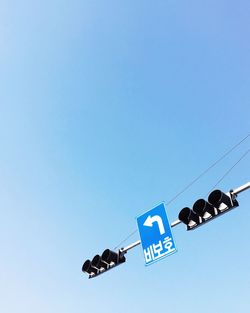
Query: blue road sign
{"type": "Point", "coordinates": [156, 236]}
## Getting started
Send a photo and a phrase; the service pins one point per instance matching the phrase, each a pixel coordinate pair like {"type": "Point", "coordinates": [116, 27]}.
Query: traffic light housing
{"type": "Point", "coordinates": [204, 211]}
{"type": "Point", "coordinates": [103, 263]}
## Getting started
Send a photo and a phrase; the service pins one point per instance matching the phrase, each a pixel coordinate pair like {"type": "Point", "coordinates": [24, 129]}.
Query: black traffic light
{"type": "Point", "coordinates": [101, 264]}
{"type": "Point", "coordinates": [204, 211]}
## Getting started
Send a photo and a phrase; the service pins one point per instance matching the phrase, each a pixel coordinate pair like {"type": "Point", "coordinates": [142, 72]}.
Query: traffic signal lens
{"type": "Point", "coordinates": [110, 256]}
{"type": "Point", "coordinates": [188, 217]}
{"type": "Point", "coordinates": [221, 201]}
{"type": "Point", "coordinates": [203, 209]}
{"type": "Point", "coordinates": [99, 263]}
{"type": "Point", "coordinates": [87, 268]}
{"type": "Point", "coordinates": [184, 215]}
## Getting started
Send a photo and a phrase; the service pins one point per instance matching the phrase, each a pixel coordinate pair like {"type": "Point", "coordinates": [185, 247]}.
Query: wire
{"type": "Point", "coordinates": [124, 240]}
{"type": "Point", "coordinates": [204, 172]}
{"type": "Point", "coordinates": [227, 172]}
{"type": "Point", "coordinates": [198, 177]}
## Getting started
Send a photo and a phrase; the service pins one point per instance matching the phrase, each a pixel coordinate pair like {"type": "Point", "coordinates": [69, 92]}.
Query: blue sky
{"type": "Point", "coordinates": [108, 108]}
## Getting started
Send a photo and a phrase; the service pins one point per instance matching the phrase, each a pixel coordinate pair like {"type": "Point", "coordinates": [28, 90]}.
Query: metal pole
{"type": "Point", "coordinates": [241, 188]}
{"type": "Point", "coordinates": [131, 246]}
{"type": "Point", "coordinates": [177, 222]}
{"type": "Point", "coordinates": [137, 243]}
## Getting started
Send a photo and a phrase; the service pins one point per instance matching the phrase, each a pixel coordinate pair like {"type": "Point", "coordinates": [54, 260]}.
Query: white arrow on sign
{"type": "Point", "coordinates": [156, 218]}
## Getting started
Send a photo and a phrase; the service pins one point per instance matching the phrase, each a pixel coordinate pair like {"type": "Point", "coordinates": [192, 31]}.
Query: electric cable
{"type": "Point", "coordinates": [198, 177]}
{"type": "Point", "coordinates": [228, 171]}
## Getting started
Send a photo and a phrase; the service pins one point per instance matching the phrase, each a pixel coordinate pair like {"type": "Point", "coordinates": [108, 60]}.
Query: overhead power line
{"type": "Point", "coordinates": [162, 245]}
{"type": "Point", "coordinates": [199, 177]}
{"type": "Point", "coordinates": [230, 169]}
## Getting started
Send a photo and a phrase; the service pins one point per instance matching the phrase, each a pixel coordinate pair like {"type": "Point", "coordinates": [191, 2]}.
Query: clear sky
{"type": "Point", "coordinates": [108, 108]}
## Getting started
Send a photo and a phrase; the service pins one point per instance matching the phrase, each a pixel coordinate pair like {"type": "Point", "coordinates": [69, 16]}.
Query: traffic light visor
{"type": "Point", "coordinates": [217, 197]}
{"type": "Point", "coordinates": [110, 256]}
{"type": "Point", "coordinates": [99, 263]}
{"type": "Point", "coordinates": [87, 268]}
{"type": "Point", "coordinates": [187, 216]}
{"type": "Point", "coordinates": [203, 209]}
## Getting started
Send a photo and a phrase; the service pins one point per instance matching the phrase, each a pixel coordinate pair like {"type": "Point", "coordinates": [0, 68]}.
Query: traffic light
{"type": "Point", "coordinates": [204, 211]}
{"type": "Point", "coordinates": [101, 264]}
